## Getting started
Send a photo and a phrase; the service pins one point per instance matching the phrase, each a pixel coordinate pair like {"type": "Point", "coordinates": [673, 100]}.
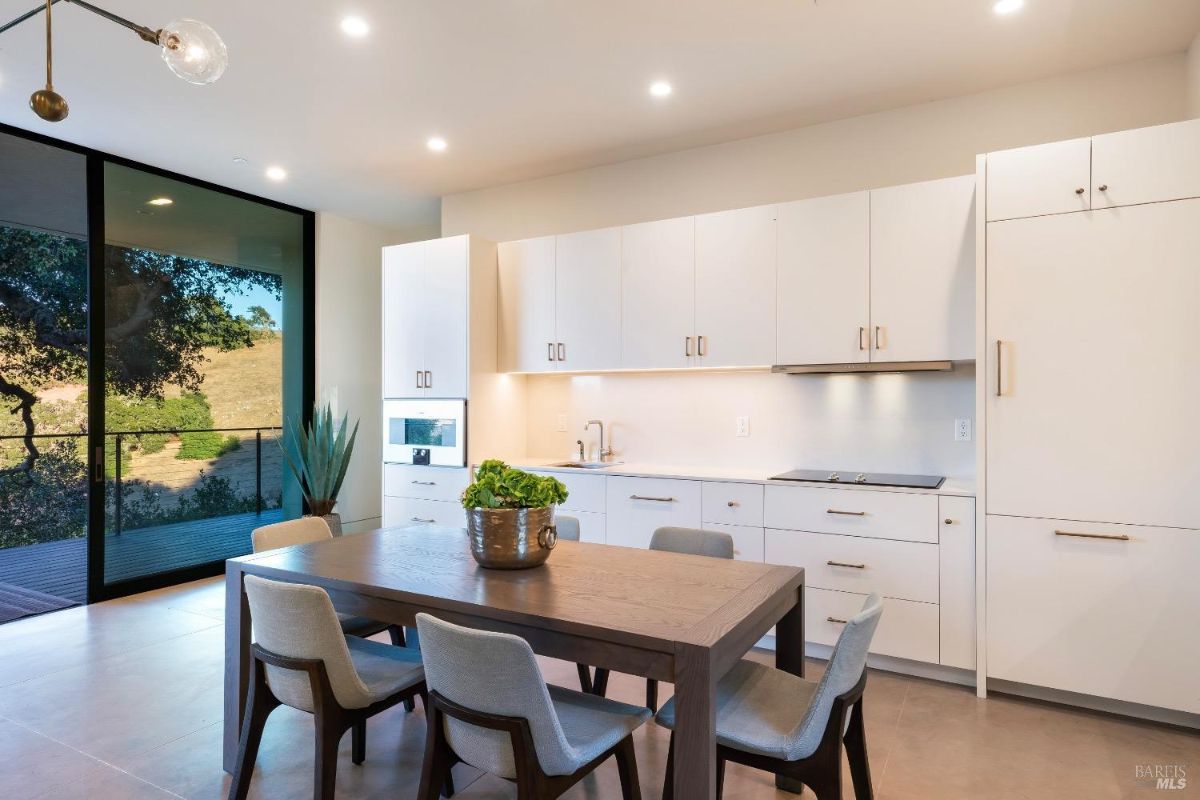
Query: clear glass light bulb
{"type": "Point", "coordinates": [193, 51]}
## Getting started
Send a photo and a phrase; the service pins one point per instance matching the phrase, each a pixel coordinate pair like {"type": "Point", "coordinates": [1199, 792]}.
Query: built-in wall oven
{"type": "Point", "coordinates": [430, 432]}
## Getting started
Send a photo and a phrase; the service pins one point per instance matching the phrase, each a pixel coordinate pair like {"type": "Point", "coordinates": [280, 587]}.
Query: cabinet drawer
{"type": "Point", "coordinates": [584, 492]}
{"type": "Point", "coordinates": [906, 629]}
{"type": "Point", "coordinates": [400, 512]}
{"type": "Point", "coordinates": [903, 570]}
{"type": "Point", "coordinates": [747, 541]}
{"type": "Point", "coordinates": [1043, 179]}
{"type": "Point", "coordinates": [733, 503]}
{"type": "Point", "coordinates": [1107, 617]}
{"type": "Point", "coordinates": [1146, 165]}
{"type": "Point", "coordinates": [881, 515]}
{"type": "Point", "coordinates": [426, 483]}
{"type": "Point", "coordinates": [636, 507]}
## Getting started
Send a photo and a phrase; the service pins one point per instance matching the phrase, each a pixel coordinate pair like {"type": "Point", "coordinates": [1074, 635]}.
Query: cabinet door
{"type": "Point", "coordinates": [658, 291]}
{"type": "Point", "coordinates": [445, 313]}
{"type": "Point", "coordinates": [403, 320]}
{"type": "Point", "coordinates": [956, 553]}
{"type": "Point", "coordinates": [526, 289]}
{"type": "Point", "coordinates": [735, 287]}
{"type": "Point", "coordinates": [923, 271]}
{"type": "Point", "coordinates": [1146, 165]}
{"type": "Point", "coordinates": [824, 280]}
{"type": "Point", "coordinates": [1106, 617]}
{"type": "Point", "coordinates": [1092, 406]}
{"type": "Point", "coordinates": [587, 302]}
{"type": "Point", "coordinates": [639, 506]}
{"type": "Point", "coordinates": [1043, 179]}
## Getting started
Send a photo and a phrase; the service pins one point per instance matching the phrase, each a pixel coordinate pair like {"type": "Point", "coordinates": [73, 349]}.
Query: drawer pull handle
{"type": "Point", "coordinates": [418, 519]}
{"type": "Point", "coordinates": [655, 499]}
{"type": "Point", "coordinates": [836, 621]}
{"type": "Point", "coordinates": [733, 504]}
{"type": "Point", "coordinates": [844, 564]}
{"type": "Point", "coordinates": [425, 483]}
{"type": "Point", "coordinates": [1118, 537]}
{"type": "Point", "coordinates": [846, 513]}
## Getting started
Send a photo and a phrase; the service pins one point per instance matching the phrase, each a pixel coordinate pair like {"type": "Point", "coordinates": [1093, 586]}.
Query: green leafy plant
{"type": "Point", "coordinates": [318, 455]}
{"type": "Point", "coordinates": [498, 485]}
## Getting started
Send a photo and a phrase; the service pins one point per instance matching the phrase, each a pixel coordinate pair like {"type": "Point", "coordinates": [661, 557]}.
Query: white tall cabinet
{"type": "Point", "coordinates": [1091, 441]}
{"type": "Point", "coordinates": [658, 260]}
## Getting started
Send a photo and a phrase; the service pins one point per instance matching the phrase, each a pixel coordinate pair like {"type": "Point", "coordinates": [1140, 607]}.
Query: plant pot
{"type": "Point", "coordinates": [334, 521]}
{"type": "Point", "coordinates": [511, 538]}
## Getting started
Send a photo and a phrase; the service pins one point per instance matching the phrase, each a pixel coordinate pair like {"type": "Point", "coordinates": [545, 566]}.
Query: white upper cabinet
{"type": "Point", "coordinates": [445, 316]}
{"type": "Point", "coordinates": [1146, 165]}
{"type": "Point", "coordinates": [923, 271]}
{"type": "Point", "coordinates": [1038, 180]}
{"type": "Point", "coordinates": [403, 321]}
{"type": "Point", "coordinates": [588, 300]}
{"type": "Point", "coordinates": [658, 278]}
{"type": "Point", "coordinates": [824, 279]}
{"type": "Point", "coordinates": [735, 287]}
{"type": "Point", "coordinates": [526, 287]}
{"type": "Point", "coordinates": [425, 319]}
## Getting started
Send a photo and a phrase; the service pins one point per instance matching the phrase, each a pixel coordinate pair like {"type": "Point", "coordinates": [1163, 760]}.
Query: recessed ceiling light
{"type": "Point", "coordinates": [355, 26]}
{"type": "Point", "coordinates": [160, 201]}
{"type": "Point", "coordinates": [661, 89]}
{"type": "Point", "coordinates": [437, 144]}
{"type": "Point", "coordinates": [1008, 6]}
{"type": "Point", "coordinates": [276, 173]}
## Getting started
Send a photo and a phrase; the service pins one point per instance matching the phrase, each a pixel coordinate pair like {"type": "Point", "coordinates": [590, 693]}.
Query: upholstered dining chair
{"type": "Point", "coordinates": [490, 707]}
{"type": "Point", "coordinates": [690, 541]}
{"type": "Point", "coordinates": [568, 531]}
{"type": "Point", "coordinates": [776, 721]}
{"type": "Point", "coordinates": [301, 658]}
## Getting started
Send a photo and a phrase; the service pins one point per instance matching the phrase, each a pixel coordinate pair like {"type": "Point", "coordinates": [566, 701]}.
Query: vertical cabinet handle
{"type": "Point", "coordinates": [549, 351]}
{"type": "Point", "coordinates": [687, 346]}
{"type": "Point", "coordinates": [428, 379]}
{"type": "Point", "coordinates": [420, 381]}
{"type": "Point", "coordinates": [999, 368]}
{"type": "Point", "coordinates": [878, 339]}
{"type": "Point", "coordinates": [562, 352]}
{"type": "Point", "coordinates": [861, 343]}
{"type": "Point", "coordinates": [701, 350]}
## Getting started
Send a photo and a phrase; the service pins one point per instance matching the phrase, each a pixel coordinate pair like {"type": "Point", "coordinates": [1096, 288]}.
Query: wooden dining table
{"type": "Point", "coordinates": [678, 618]}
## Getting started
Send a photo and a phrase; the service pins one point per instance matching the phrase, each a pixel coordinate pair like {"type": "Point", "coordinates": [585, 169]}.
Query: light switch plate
{"type": "Point", "coordinates": [562, 423]}
{"type": "Point", "coordinates": [962, 430]}
{"type": "Point", "coordinates": [743, 426]}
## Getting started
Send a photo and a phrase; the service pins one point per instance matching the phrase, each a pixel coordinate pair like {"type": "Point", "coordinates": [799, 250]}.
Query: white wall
{"type": "Point", "coordinates": [1193, 78]}
{"type": "Point", "coordinates": [878, 422]}
{"type": "Point", "coordinates": [349, 355]}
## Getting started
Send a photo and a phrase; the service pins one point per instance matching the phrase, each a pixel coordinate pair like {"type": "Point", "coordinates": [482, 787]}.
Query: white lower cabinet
{"type": "Point", "coordinates": [1108, 610]}
{"type": "Point", "coordinates": [956, 552]}
{"type": "Point", "coordinates": [591, 526]}
{"type": "Point", "coordinates": [906, 629]}
{"type": "Point", "coordinates": [399, 512]}
{"type": "Point", "coordinates": [636, 507]}
{"type": "Point", "coordinates": [903, 570]}
{"type": "Point", "coordinates": [747, 541]}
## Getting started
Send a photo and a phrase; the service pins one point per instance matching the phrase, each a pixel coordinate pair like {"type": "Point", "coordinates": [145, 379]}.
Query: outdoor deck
{"type": "Point", "coordinates": [59, 569]}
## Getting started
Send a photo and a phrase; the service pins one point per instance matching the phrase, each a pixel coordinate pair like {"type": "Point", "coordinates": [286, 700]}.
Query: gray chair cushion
{"type": "Point", "coordinates": [568, 527]}
{"type": "Point", "coordinates": [496, 673]}
{"type": "Point", "coordinates": [774, 713]}
{"type": "Point", "coordinates": [360, 626]}
{"type": "Point", "coordinates": [693, 541]}
{"type": "Point", "coordinates": [383, 668]}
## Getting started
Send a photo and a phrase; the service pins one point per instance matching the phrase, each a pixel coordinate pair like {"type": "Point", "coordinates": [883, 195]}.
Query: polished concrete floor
{"type": "Point", "coordinates": [123, 700]}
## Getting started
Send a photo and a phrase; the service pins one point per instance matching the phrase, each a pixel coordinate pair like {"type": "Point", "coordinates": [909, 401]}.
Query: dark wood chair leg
{"type": "Point", "coordinates": [669, 778]}
{"type": "Point", "coordinates": [358, 742]}
{"type": "Point", "coordinates": [448, 784]}
{"type": "Point", "coordinates": [652, 695]}
{"type": "Point", "coordinates": [585, 678]}
{"type": "Point", "coordinates": [259, 705]}
{"type": "Point", "coordinates": [856, 754]}
{"type": "Point", "coordinates": [720, 777]}
{"type": "Point", "coordinates": [600, 682]}
{"type": "Point", "coordinates": [328, 737]}
{"type": "Point", "coordinates": [631, 789]}
{"type": "Point", "coordinates": [397, 634]}
{"type": "Point", "coordinates": [435, 768]}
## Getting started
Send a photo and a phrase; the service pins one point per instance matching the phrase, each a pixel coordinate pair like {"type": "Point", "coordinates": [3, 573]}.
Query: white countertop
{"type": "Point", "coordinates": [951, 486]}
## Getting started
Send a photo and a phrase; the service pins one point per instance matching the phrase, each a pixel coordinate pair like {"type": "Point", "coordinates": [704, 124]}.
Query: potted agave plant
{"type": "Point", "coordinates": [510, 516]}
{"type": "Point", "coordinates": [318, 455]}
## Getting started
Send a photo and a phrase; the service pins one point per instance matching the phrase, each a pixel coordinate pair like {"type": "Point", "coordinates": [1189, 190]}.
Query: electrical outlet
{"type": "Point", "coordinates": [962, 430]}
{"type": "Point", "coordinates": [562, 423]}
{"type": "Point", "coordinates": [743, 426]}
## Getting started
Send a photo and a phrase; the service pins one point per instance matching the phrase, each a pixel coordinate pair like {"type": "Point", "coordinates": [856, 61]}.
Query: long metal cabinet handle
{"type": "Point", "coordinates": [655, 499]}
{"type": "Point", "coordinates": [1116, 537]}
{"type": "Point", "coordinates": [836, 621]}
{"type": "Point", "coordinates": [687, 346]}
{"type": "Point", "coordinates": [844, 564]}
{"type": "Point", "coordinates": [425, 483]}
{"type": "Point", "coordinates": [428, 379]}
{"type": "Point", "coordinates": [420, 383]}
{"type": "Point", "coordinates": [549, 351]}
{"type": "Point", "coordinates": [701, 350]}
{"type": "Point", "coordinates": [846, 513]}
{"type": "Point", "coordinates": [562, 352]}
{"type": "Point", "coordinates": [861, 344]}
{"type": "Point", "coordinates": [999, 368]}
{"type": "Point", "coordinates": [878, 346]}
{"type": "Point", "coordinates": [419, 519]}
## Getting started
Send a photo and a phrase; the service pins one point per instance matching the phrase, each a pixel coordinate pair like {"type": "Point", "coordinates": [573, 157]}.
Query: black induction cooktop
{"type": "Point", "coordinates": [862, 478]}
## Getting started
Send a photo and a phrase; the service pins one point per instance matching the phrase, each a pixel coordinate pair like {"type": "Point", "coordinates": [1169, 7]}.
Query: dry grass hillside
{"type": "Point", "coordinates": [244, 387]}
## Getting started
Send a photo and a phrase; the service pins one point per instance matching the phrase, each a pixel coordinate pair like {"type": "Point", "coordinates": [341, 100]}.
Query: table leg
{"type": "Point", "coordinates": [237, 661]}
{"type": "Point", "coordinates": [695, 724]}
{"type": "Point", "coordinates": [789, 656]}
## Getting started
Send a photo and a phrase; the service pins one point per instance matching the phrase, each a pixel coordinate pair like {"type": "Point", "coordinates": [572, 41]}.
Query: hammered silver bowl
{"type": "Point", "coordinates": [511, 538]}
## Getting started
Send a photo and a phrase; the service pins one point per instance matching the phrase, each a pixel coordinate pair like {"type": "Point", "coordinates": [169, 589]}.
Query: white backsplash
{"type": "Point", "coordinates": [883, 422]}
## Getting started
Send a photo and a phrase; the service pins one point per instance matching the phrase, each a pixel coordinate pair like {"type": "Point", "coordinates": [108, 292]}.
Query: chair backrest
{"type": "Point", "coordinates": [568, 527]}
{"type": "Point", "coordinates": [492, 673]}
{"type": "Point", "coordinates": [693, 541]}
{"type": "Point", "coordinates": [298, 621]}
{"type": "Point", "coordinates": [286, 534]}
{"type": "Point", "coordinates": [846, 665]}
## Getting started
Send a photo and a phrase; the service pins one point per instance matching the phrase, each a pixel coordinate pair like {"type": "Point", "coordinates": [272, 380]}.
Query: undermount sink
{"type": "Point", "coordinates": [585, 464]}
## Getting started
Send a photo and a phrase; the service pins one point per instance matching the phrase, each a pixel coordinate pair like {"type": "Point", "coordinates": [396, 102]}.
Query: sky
{"type": "Point", "coordinates": [256, 296]}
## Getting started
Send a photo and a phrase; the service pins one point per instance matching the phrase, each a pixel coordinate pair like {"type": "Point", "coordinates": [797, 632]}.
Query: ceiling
{"type": "Point", "coordinates": [526, 88]}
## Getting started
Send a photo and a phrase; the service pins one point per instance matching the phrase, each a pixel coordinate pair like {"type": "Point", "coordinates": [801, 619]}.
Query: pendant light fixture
{"type": "Point", "coordinates": [191, 49]}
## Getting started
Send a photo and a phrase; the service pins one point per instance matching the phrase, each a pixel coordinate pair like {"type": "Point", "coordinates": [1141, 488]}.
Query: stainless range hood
{"type": "Point", "coordinates": [865, 367]}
